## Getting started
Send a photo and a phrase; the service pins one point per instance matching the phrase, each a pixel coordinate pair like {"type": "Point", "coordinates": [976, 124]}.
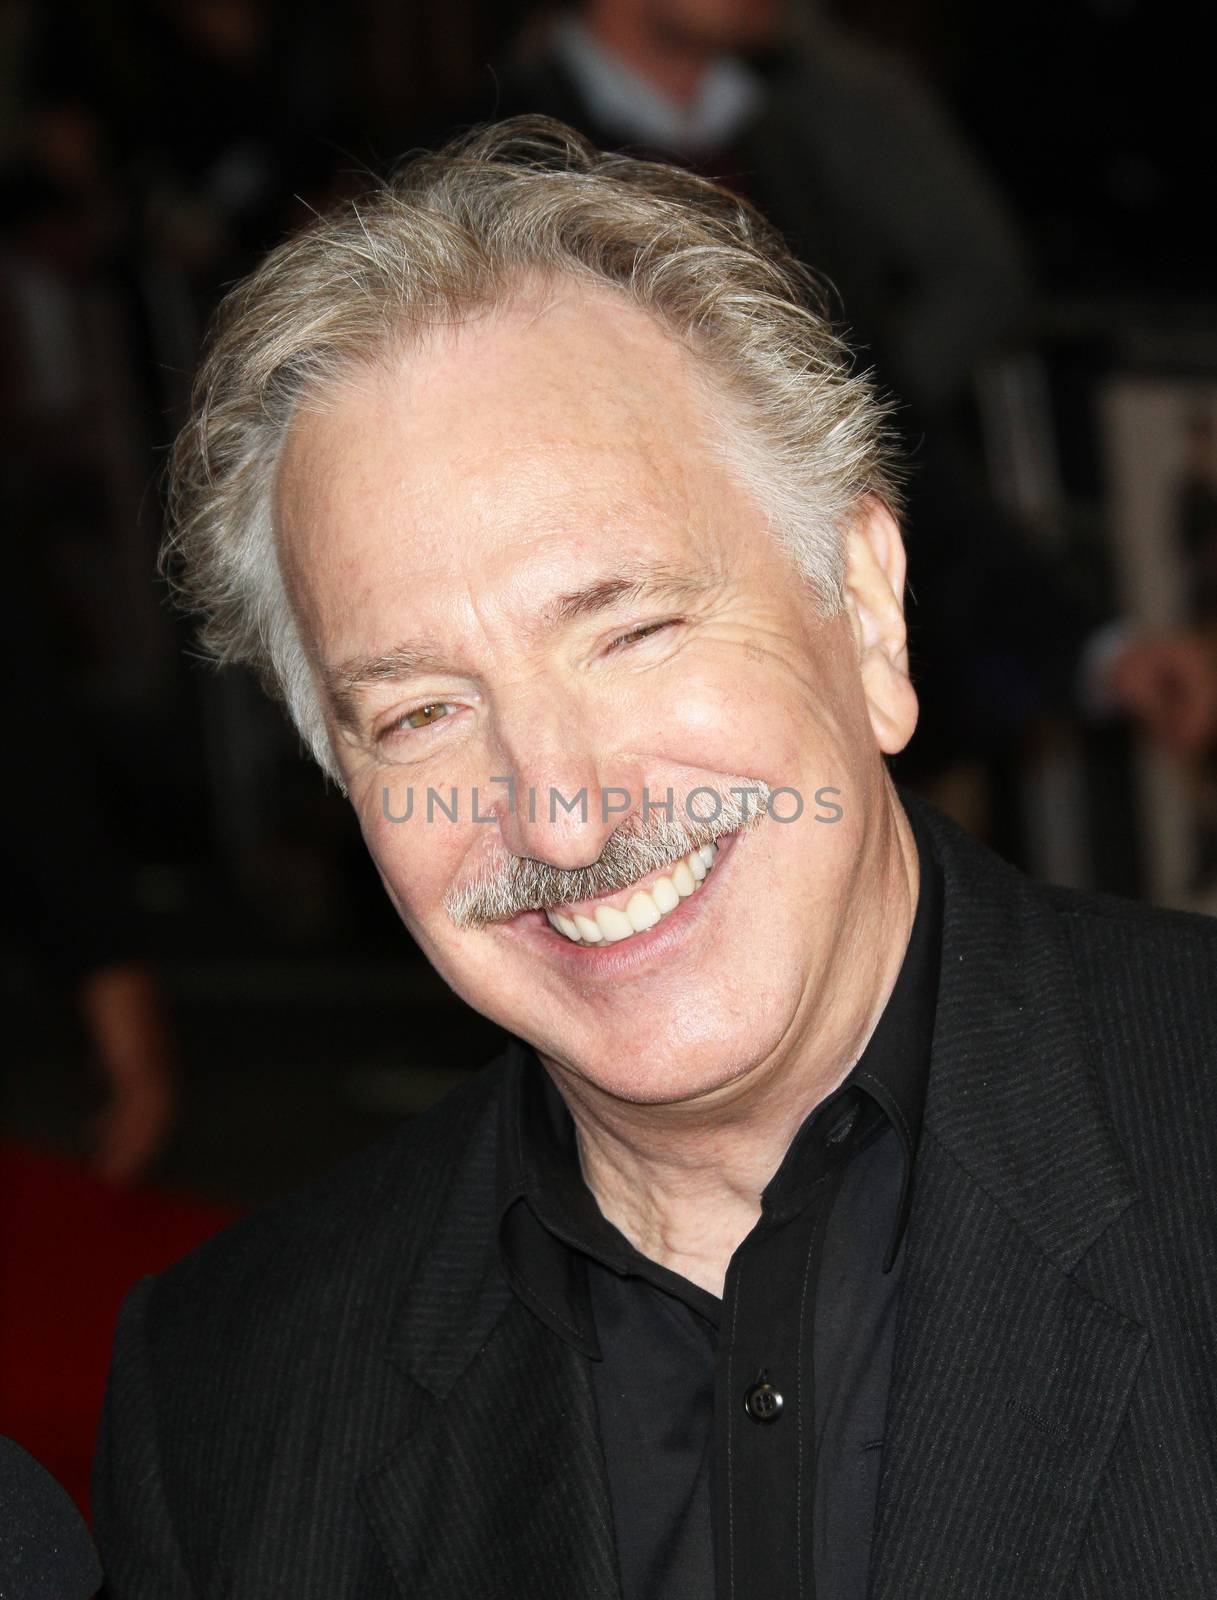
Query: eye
{"type": "Point", "coordinates": [421, 716]}
{"type": "Point", "coordinates": [644, 631]}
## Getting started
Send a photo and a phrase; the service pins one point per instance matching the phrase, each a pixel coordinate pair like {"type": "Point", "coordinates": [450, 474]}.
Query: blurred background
{"type": "Point", "coordinates": [208, 999]}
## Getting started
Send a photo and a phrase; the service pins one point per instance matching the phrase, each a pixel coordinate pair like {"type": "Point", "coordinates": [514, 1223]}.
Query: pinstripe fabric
{"type": "Point", "coordinates": [1051, 1428]}
{"type": "Point", "coordinates": [340, 1398]}
{"type": "Point", "coordinates": [522, 1418]}
{"type": "Point", "coordinates": [1156, 1532]}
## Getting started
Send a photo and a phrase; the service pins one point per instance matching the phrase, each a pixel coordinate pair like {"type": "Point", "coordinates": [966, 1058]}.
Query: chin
{"type": "Point", "coordinates": [687, 1069]}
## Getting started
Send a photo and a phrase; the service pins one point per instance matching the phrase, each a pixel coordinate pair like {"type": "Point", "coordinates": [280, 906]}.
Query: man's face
{"type": "Point", "coordinates": [525, 525]}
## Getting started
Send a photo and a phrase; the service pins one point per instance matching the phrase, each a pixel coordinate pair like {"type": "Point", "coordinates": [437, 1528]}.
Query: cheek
{"type": "Point", "coordinates": [743, 711]}
{"type": "Point", "coordinates": [417, 859]}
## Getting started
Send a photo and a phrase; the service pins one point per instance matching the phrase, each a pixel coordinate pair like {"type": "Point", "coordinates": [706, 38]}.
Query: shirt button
{"type": "Point", "coordinates": [763, 1403]}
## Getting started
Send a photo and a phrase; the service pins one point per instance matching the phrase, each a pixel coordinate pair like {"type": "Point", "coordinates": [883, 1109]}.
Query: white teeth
{"type": "Point", "coordinates": [663, 892]}
{"type": "Point", "coordinates": [646, 907]}
{"type": "Point", "coordinates": [642, 912]}
{"type": "Point", "coordinates": [614, 924]}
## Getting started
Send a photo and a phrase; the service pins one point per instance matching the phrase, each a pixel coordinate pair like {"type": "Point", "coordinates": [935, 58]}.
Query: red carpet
{"type": "Point", "coordinates": [70, 1248]}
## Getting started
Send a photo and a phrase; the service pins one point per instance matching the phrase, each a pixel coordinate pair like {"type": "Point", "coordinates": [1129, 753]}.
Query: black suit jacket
{"type": "Point", "coordinates": [340, 1397]}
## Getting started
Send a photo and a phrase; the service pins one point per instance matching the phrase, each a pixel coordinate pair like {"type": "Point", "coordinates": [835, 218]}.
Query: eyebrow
{"type": "Point", "coordinates": [639, 580]}
{"type": "Point", "coordinates": [635, 582]}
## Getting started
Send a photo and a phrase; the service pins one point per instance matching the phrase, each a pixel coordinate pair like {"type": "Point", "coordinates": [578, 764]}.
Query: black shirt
{"type": "Point", "coordinates": [742, 1437]}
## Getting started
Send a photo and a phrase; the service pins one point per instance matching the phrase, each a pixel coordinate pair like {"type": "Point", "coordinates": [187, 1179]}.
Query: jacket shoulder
{"type": "Point", "coordinates": [1144, 977]}
{"type": "Point", "coordinates": [1147, 982]}
{"type": "Point", "coordinates": [1138, 917]}
{"type": "Point", "coordinates": [251, 1384]}
{"type": "Point", "coordinates": [349, 1240]}
{"type": "Point", "coordinates": [1154, 960]}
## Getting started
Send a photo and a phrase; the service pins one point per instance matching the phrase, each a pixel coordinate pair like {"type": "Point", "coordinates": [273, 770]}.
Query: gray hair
{"type": "Point", "coordinates": [641, 844]}
{"type": "Point", "coordinates": [458, 233]}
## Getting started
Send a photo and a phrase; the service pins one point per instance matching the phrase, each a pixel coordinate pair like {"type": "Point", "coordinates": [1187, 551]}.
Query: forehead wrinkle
{"type": "Point", "coordinates": [644, 475]}
{"type": "Point", "coordinates": [639, 579]}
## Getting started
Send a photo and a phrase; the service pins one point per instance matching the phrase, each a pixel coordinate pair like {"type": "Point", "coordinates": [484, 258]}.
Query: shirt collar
{"type": "Point", "coordinates": [629, 105]}
{"type": "Point", "coordinates": [887, 1084]}
{"type": "Point", "coordinates": [538, 1151]}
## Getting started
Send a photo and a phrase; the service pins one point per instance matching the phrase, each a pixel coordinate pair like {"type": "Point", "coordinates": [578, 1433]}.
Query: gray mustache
{"type": "Point", "coordinates": [632, 850]}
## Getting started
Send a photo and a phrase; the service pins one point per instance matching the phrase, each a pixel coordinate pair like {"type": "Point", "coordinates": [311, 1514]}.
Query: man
{"type": "Point", "coordinates": [839, 1219]}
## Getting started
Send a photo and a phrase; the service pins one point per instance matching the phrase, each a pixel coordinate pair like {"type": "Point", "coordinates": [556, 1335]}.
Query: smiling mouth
{"type": "Point", "coordinates": [635, 909]}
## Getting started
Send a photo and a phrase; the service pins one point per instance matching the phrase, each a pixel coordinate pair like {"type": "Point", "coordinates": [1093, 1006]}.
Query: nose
{"type": "Point", "coordinates": [568, 788]}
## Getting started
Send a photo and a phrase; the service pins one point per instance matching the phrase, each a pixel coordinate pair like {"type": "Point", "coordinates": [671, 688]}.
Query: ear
{"type": "Point", "coordinates": [874, 581]}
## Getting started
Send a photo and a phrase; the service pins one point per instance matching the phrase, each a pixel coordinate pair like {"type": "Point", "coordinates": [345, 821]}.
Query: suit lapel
{"type": "Point", "coordinates": [1010, 1379]}
{"type": "Point", "coordinates": [499, 1486]}
{"type": "Point", "coordinates": [1009, 1385]}
{"type": "Point", "coordinates": [501, 1489]}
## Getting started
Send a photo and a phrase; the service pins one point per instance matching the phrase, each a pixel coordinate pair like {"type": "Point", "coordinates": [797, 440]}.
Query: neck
{"type": "Point", "coordinates": [674, 63]}
{"type": "Point", "coordinates": [683, 1182]}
